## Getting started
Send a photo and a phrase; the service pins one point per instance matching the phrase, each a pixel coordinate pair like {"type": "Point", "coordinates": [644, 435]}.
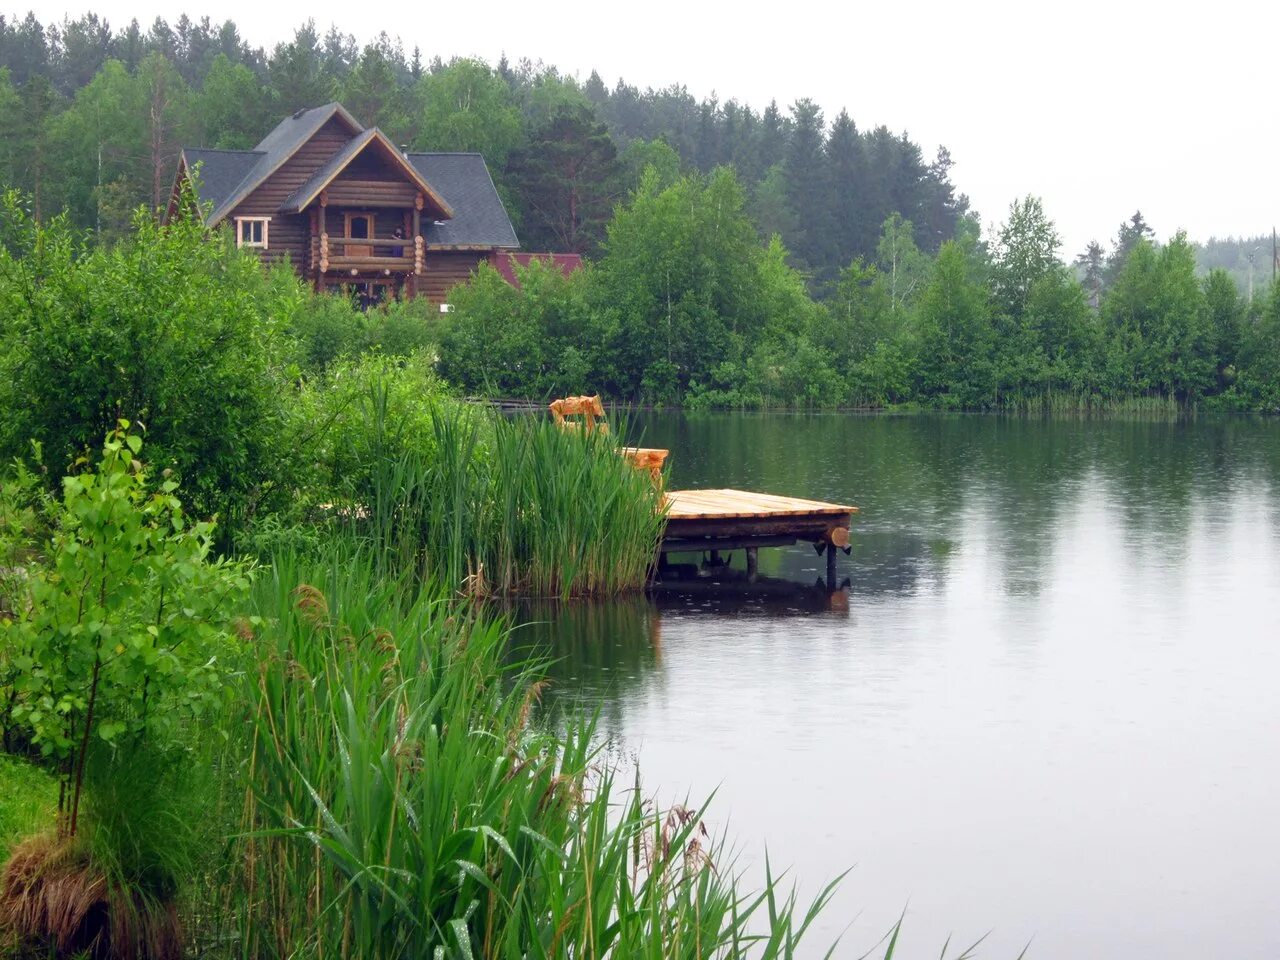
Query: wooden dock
{"type": "Point", "coordinates": [718, 521]}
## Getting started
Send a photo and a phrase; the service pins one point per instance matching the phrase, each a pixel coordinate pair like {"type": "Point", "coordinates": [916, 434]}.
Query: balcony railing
{"type": "Point", "coordinates": [353, 253]}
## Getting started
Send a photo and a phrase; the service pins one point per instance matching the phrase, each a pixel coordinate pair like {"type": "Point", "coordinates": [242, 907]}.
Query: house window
{"type": "Point", "coordinates": [359, 226]}
{"type": "Point", "coordinates": [252, 231]}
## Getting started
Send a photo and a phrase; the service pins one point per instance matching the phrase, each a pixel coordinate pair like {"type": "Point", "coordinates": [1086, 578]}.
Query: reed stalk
{"type": "Point", "coordinates": [406, 802]}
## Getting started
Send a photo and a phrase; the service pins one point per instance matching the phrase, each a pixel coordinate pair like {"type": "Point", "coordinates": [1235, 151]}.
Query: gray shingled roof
{"type": "Point", "coordinates": [479, 218]}
{"type": "Point", "coordinates": [220, 172]}
{"type": "Point", "coordinates": [277, 147]}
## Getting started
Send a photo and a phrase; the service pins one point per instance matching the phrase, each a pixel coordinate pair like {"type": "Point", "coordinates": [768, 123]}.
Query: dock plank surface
{"type": "Point", "coordinates": [727, 504]}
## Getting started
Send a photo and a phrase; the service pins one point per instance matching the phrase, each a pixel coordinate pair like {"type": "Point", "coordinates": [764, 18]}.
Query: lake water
{"type": "Point", "coordinates": [1046, 704]}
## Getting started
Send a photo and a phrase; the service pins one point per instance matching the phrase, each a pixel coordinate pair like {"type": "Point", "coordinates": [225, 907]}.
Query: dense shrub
{"type": "Point", "coordinates": [326, 328]}
{"type": "Point", "coordinates": [541, 339]}
{"type": "Point", "coordinates": [171, 329]}
{"type": "Point", "coordinates": [360, 412]}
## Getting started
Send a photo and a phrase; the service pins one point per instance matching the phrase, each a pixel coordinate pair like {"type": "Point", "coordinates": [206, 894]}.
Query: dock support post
{"type": "Point", "coordinates": [753, 562]}
{"type": "Point", "coordinates": [831, 564]}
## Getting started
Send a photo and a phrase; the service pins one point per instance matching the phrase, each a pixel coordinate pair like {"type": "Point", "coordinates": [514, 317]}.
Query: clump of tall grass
{"type": "Point", "coordinates": [491, 505]}
{"type": "Point", "coordinates": [402, 803]}
{"type": "Point", "coordinates": [1087, 405]}
{"type": "Point", "coordinates": [457, 493]}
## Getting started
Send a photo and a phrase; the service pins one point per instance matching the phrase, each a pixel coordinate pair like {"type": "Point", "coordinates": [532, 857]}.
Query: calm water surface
{"type": "Point", "coordinates": [1046, 704]}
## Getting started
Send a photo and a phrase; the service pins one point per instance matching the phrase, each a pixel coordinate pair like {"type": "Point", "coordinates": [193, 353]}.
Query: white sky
{"type": "Point", "coordinates": [1099, 107]}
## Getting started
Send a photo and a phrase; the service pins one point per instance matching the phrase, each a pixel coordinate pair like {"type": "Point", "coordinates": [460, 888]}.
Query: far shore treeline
{"type": "Point", "coordinates": [736, 257]}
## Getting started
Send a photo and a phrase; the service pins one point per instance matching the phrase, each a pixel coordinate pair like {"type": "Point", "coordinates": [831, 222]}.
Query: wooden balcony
{"type": "Point", "coordinates": [344, 254]}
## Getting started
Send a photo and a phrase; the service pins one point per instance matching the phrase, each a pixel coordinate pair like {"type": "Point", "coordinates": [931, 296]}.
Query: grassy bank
{"type": "Point", "coordinates": [28, 800]}
{"type": "Point", "coordinates": [403, 801]}
{"type": "Point", "coordinates": [340, 758]}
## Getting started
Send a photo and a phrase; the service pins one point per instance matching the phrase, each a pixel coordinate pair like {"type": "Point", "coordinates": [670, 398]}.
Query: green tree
{"type": "Point", "coordinates": [1258, 383]}
{"type": "Point", "coordinates": [771, 206]}
{"type": "Point", "coordinates": [861, 313]}
{"type": "Point", "coordinates": [1059, 330]}
{"type": "Point", "coordinates": [904, 268]}
{"type": "Point", "coordinates": [124, 637]}
{"type": "Point", "coordinates": [547, 94]}
{"type": "Point", "coordinates": [846, 165]}
{"type": "Point", "coordinates": [467, 107]}
{"type": "Point", "coordinates": [169, 123]}
{"type": "Point", "coordinates": [1092, 266]}
{"type": "Point", "coordinates": [1159, 326]}
{"type": "Point", "coordinates": [100, 143]}
{"type": "Point", "coordinates": [40, 106]}
{"type": "Point", "coordinates": [11, 158]}
{"type": "Point", "coordinates": [787, 364]}
{"type": "Point", "coordinates": [1026, 250]}
{"type": "Point", "coordinates": [372, 92]}
{"type": "Point", "coordinates": [681, 272]}
{"type": "Point", "coordinates": [1131, 233]}
{"type": "Point", "coordinates": [954, 332]}
{"type": "Point", "coordinates": [808, 185]}
{"type": "Point", "coordinates": [641, 155]}
{"type": "Point", "coordinates": [84, 46]}
{"type": "Point", "coordinates": [540, 338]}
{"type": "Point", "coordinates": [1226, 317]}
{"type": "Point", "coordinates": [566, 179]}
{"type": "Point", "coordinates": [232, 107]}
{"type": "Point", "coordinates": [298, 73]}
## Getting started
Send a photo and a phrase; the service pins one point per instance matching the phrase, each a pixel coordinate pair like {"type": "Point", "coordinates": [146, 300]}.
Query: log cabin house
{"type": "Point", "coordinates": [350, 210]}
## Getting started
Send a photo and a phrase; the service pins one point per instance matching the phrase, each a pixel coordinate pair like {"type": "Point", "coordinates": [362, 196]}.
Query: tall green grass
{"type": "Point", "coordinates": [403, 804]}
{"type": "Point", "coordinates": [460, 494]}
{"type": "Point", "coordinates": [1154, 407]}
{"type": "Point", "coordinates": [28, 801]}
{"type": "Point", "coordinates": [491, 505]}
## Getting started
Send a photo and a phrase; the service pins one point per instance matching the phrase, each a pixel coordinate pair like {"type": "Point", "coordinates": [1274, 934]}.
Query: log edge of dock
{"type": "Point", "coordinates": [728, 519]}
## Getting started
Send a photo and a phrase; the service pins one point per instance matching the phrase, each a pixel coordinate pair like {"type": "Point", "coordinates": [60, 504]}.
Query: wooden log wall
{"type": "Point", "coordinates": [371, 193]}
{"type": "Point", "coordinates": [288, 233]}
{"type": "Point", "coordinates": [371, 165]}
{"type": "Point", "coordinates": [442, 270]}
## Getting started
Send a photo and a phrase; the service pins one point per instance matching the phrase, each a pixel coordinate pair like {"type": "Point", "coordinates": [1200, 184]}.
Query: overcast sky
{"type": "Point", "coordinates": [1101, 108]}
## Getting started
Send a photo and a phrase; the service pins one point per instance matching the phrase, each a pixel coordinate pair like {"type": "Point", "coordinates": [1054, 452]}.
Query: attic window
{"type": "Point", "coordinates": [252, 231]}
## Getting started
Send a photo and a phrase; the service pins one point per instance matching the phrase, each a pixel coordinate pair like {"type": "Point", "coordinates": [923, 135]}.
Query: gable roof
{"type": "Point", "coordinates": [220, 172]}
{"type": "Point", "coordinates": [274, 150]}
{"type": "Point", "coordinates": [480, 219]}
{"type": "Point", "coordinates": [297, 201]}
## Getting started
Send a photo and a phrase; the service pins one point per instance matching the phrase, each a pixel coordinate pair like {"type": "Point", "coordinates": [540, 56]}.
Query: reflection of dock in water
{"type": "Point", "coordinates": [597, 652]}
{"type": "Point", "coordinates": [729, 591]}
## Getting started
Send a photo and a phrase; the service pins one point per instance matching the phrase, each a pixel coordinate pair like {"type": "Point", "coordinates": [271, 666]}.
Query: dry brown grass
{"type": "Point", "coordinates": [52, 895]}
